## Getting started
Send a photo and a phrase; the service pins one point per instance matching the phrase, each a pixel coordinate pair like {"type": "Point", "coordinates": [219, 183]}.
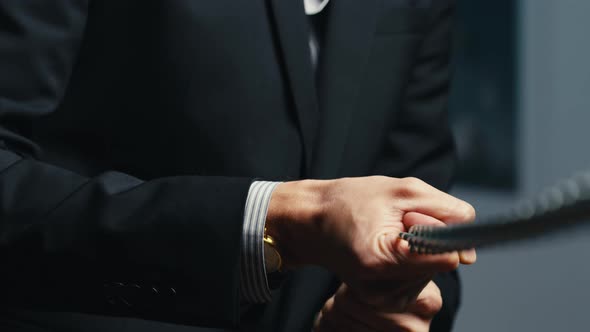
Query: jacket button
{"type": "Point", "coordinates": [154, 291]}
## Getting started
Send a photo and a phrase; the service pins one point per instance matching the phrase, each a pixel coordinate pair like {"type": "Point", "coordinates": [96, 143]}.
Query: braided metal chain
{"type": "Point", "coordinates": [555, 209]}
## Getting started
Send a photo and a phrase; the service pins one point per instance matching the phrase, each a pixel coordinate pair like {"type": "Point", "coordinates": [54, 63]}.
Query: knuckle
{"type": "Point", "coordinates": [430, 302]}
{"type": "Point", "coordinates": [467, 211]}
{"type": "Point", "coordinates": [414, 182]}
{"type": "Point", "coordinates": [429, 306]}
{"type": "Point", "coordinates": [408, 187]}
{"type": "Point", "coordinates": [460, 211]}
{"type": "Point", "coordinates": [328, 306]}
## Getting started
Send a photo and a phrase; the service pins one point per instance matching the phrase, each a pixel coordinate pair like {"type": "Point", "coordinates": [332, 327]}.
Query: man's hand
{"type": "Point", "coordinates": [351, 225]}
{"type": "Point", "coordinates": [345, 311]}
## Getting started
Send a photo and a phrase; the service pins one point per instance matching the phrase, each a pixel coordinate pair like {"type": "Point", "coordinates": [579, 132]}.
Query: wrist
{"type": "Point", "coordinates": [294, 213]}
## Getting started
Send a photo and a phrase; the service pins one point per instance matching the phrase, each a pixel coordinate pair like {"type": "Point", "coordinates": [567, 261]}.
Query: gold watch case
{"type": "Point", "coordinates": [272, 258]}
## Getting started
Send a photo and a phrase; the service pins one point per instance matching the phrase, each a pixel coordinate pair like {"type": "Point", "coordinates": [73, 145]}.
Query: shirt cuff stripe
{"type": "Point", "coordinates": [253, 281]}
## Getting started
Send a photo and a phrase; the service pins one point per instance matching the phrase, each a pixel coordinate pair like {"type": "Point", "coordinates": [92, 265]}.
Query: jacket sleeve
{"type": "Point", "coordinates": [421, 144]}
{"type": "Point", "coordinates": [167, 249]}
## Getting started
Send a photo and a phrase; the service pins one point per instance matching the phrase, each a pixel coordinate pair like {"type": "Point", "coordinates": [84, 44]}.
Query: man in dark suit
{"type": "Point", "coordinates": [133, 135]}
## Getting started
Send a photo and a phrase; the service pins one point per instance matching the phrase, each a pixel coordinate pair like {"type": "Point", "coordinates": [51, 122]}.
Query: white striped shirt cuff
{"type": "Point", "coordinates": [253, 282]}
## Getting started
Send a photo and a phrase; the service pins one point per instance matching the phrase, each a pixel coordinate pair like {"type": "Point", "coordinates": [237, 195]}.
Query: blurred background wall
{"type": "Point", "coordinates": [543, 285]}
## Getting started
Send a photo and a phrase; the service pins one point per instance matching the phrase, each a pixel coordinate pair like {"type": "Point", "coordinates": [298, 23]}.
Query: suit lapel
{"type": "Point", "coordinates": [293, 35]}
{"type": "Point", "coordinates": [344, 55]}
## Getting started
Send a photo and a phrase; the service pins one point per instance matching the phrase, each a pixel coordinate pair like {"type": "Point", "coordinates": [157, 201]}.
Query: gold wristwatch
{"type": "Point", "coordinates": [272, 257]}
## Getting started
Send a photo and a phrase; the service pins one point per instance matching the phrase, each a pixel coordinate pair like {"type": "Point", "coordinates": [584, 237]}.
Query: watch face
{"type": "Point", "coordinates": [272, 258]}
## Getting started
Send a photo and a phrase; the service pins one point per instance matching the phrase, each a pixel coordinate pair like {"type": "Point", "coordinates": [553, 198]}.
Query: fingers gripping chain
{"type": "Point", "coordinates": [556, 209]}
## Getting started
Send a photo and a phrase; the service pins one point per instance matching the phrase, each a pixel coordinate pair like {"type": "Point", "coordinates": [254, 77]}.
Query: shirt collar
{"type": "Point", "coordinates": [313, 7]}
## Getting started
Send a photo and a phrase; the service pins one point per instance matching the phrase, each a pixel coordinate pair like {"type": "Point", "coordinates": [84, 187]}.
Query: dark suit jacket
{"type": "Point", "coordinates": [130, 132]}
